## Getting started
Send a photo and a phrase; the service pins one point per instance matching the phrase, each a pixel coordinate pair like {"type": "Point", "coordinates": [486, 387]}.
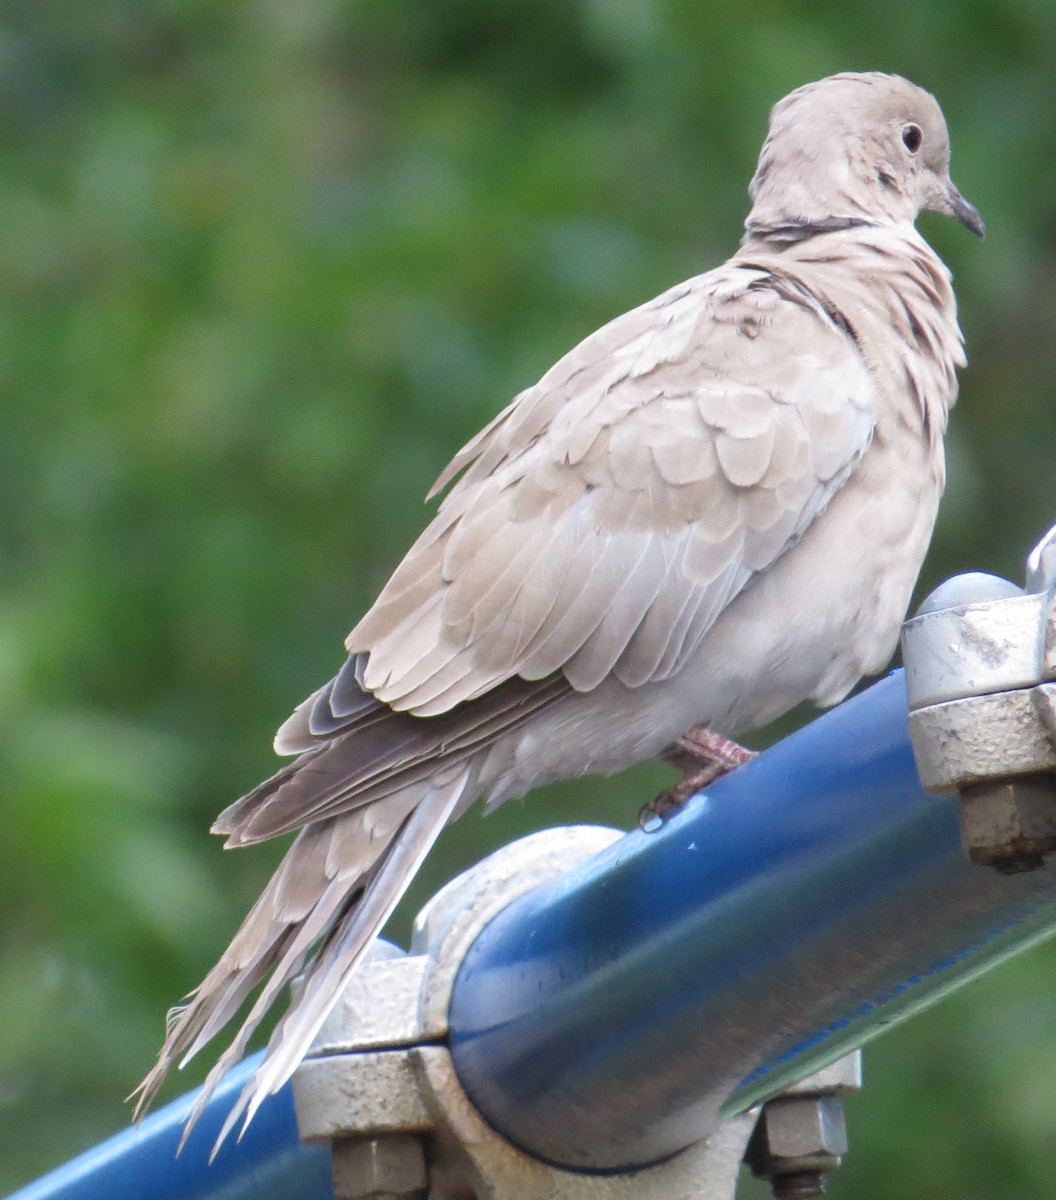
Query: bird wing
{"type": "Point", "coordinates": [605, 519]}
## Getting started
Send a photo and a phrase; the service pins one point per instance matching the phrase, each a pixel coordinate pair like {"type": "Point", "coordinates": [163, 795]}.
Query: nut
{"type": "Point", "coordinates": [380, 1168]}
{"type": "Point", "coordinates": [798, 1135]}
{"type": "Point", "coordinates": [1009, 824]}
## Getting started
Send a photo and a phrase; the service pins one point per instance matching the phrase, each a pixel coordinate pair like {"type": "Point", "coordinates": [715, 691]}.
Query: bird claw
{"type": "Point", "coordinates": [702, 756]}
{"type": "Point", "coordinates": [652, 816]}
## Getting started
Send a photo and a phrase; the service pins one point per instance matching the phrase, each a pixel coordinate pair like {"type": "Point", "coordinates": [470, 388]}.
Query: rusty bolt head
{"type": "Point", "coordinates": [1009, 824]}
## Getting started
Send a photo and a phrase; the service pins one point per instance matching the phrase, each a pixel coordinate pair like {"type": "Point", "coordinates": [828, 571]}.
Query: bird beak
{"type": "Point", "coordinates": [964, 211]}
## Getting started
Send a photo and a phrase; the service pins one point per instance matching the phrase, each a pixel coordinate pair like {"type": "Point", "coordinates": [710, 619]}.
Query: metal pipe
{"type": "Point", "coordinates": [140, 1163]}
{"type": "Point", "coordinates": [793, 911]}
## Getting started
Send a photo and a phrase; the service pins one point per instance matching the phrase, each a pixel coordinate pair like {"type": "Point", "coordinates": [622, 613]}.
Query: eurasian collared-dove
{"type": "Point", "coordinates": [711, 509]}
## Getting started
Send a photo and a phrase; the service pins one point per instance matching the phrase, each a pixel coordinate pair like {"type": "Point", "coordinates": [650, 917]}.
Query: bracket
{"type": "Point", "coordinates": [379, 1083]}
{"type": "Point", "coordinates": [980, 659]}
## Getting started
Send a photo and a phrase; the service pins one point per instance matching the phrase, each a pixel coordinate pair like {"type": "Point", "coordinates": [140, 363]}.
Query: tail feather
{"type": "Point", "coordinates": [370, 791]}
{"type": "Point", "coordinates": [327, 909]}
{"type": "Point", "coordinates": [215, 1000]}
{"type": "Point", "coordinates": [379, 753]}
{"type": "Point", "coordinates": [345, 946]}
{"type": "Point", "coordinates": [337, 885]}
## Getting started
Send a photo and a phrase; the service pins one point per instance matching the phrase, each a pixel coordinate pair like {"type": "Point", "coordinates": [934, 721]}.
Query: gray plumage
{"type": "Point", "coordinates": [711, 509]}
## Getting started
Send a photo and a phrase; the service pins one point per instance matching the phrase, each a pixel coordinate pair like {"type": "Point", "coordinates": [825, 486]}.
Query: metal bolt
{"type": "Point", "coordinates": [796, 1141]}
{"type": "Point", "coordinates": [391, 1167]}
{"type": "Point", "coordinates": [1009, 824]}
{"type": "Point", "coordinates": [798, 1185]}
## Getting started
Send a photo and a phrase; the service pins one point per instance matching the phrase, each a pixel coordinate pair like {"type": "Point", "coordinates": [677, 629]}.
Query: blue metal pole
{"type": "Point", "coordinates": [269, 1163]}
{"type": "Point", "coordinates": [792, 912]}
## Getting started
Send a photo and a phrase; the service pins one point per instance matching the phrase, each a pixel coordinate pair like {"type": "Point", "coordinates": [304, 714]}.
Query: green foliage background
{"type": "Point", "coordinates": [263, 266]}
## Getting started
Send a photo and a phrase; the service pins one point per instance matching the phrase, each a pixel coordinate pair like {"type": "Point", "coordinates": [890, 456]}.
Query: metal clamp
{"type": "Point", "coordinates": [980, 658]}
{"type": "Point", "coordinates": [380, 1085]}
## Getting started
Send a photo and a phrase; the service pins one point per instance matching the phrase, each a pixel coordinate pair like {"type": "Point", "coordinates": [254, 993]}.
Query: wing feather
{"type": "Point", "coordinates": [606, 518]}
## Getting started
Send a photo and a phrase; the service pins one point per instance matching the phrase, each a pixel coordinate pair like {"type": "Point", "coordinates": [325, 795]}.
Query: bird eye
{"type": "Point", "coordinates": [912, 136]}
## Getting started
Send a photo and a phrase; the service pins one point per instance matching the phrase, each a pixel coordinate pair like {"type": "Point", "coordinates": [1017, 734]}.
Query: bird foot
{"type": "Point", "coordinates": [702, 756]}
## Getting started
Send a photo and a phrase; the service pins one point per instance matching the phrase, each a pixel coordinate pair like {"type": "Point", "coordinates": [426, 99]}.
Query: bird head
{"type": "Point", "coordinates": [851, 149]}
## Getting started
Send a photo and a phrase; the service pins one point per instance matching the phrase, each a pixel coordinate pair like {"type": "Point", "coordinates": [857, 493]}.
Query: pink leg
{"type": "Point", "coordinates": [702, 756]}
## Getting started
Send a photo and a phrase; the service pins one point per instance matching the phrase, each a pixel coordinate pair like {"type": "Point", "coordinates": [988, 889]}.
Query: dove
{"type": "Point", "coordinates": [711, 509]}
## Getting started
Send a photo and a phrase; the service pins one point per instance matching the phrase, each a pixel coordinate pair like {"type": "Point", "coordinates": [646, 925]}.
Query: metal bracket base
{"type": "Point", "coordinates": [980, 656]}
{"type": "Point", "coordinates": [380, 1084]}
